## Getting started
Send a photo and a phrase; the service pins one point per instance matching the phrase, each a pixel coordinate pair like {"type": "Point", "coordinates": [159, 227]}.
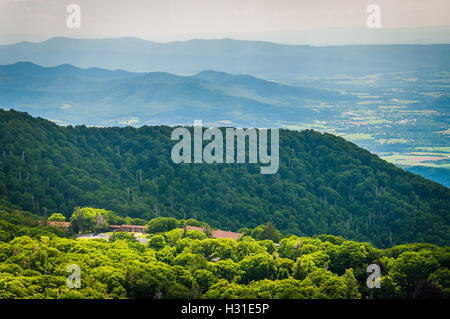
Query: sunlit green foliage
{"type": "Point", "coordinates": [180, 264]}
{"type": "Point", "coordinates": [325, 185]}
{"type": "Point", "coordinates": [57, 217]}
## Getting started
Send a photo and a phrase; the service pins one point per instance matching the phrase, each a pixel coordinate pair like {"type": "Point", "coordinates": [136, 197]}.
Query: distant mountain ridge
{"type": "Point", "coordinates": [227, 55]}
{"type": "Point", "coordinates": [102, 97]}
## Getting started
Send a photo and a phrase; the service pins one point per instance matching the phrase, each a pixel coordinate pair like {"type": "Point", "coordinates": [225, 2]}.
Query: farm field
{"type": "Point", "coordinates": [402, 117]}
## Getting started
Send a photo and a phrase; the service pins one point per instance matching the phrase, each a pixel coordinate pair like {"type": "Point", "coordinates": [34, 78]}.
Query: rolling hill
{"type": "Point", "coordinates": [102, 97]}
{"type": "Point", "coordinates": [325, 185]}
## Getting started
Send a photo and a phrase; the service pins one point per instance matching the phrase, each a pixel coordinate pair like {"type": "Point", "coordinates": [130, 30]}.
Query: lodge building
{"type": "Point", "coordinates": [218, 233]}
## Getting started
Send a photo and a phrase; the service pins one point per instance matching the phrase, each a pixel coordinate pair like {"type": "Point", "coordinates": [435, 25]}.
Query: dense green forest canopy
{"type": "Point", "coordinates": [187, 264]}
{"type": "Point", "coordinates": [325, 185]}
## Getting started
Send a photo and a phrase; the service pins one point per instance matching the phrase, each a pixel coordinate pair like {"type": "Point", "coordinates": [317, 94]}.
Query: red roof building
{"type": "Point", "coordinates": [58, 224]}
{"type": "Point", "coordinates": [218, 233]}
{"type": "Point", "coordinates": [194, 228]}
{"type": "Point", "coordinates": [127, 228]}
{"type": "Point", "coordinates": [225, 234]}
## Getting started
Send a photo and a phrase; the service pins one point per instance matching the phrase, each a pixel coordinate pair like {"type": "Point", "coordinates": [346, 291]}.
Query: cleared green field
{"type": "Point", "coordinates": [419, 159]}
{"type": "Point", "coordinates": [368, 102]}
{"type": "Point", "coordinates": [405, 101]}
{"type": "Point", "coordinates": [358, 137]}
{"type": "Point", "coordinates": [394, 141]}
{"type": "Point", "coordinates": [428, 153]}
{"type": "Point", "coordinates": [389, 107]}
{"type": "Point", "coordinates": [443, 149]}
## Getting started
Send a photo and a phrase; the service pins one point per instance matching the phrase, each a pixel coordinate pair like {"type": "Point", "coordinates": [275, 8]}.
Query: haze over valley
{"type": "Point", "coordinates": [391, 99]}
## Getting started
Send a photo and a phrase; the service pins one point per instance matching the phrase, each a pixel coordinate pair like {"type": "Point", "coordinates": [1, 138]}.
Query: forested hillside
{"type": "Point", "coordinates": [177, 263]}
{"type": "Point", "coordinates": [325, 185]}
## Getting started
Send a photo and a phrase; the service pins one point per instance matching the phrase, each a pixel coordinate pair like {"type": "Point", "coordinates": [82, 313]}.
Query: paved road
{"type": "Point", "coordinates": [143, 240]}
{"type": "Point", "coordinates": [91, 236]}
{"type": "Point", "coordinates": [106, 236]}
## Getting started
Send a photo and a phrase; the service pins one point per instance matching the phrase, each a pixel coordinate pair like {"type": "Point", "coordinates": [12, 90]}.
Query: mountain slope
{"type": "Point", "coordinates": [324, 185]}
{"type": "Point", "coordinates": [227, 55]}
{"type": "Point", "coordinates": [97, 96]}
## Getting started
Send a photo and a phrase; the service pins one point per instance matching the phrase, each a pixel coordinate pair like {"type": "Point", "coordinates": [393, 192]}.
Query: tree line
{"type": "Point", "coordinates": [181, 263]}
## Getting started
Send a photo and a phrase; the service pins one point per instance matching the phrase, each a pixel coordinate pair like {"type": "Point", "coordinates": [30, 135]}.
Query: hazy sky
{"type": "Point", "coordinates": [168, 20]}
